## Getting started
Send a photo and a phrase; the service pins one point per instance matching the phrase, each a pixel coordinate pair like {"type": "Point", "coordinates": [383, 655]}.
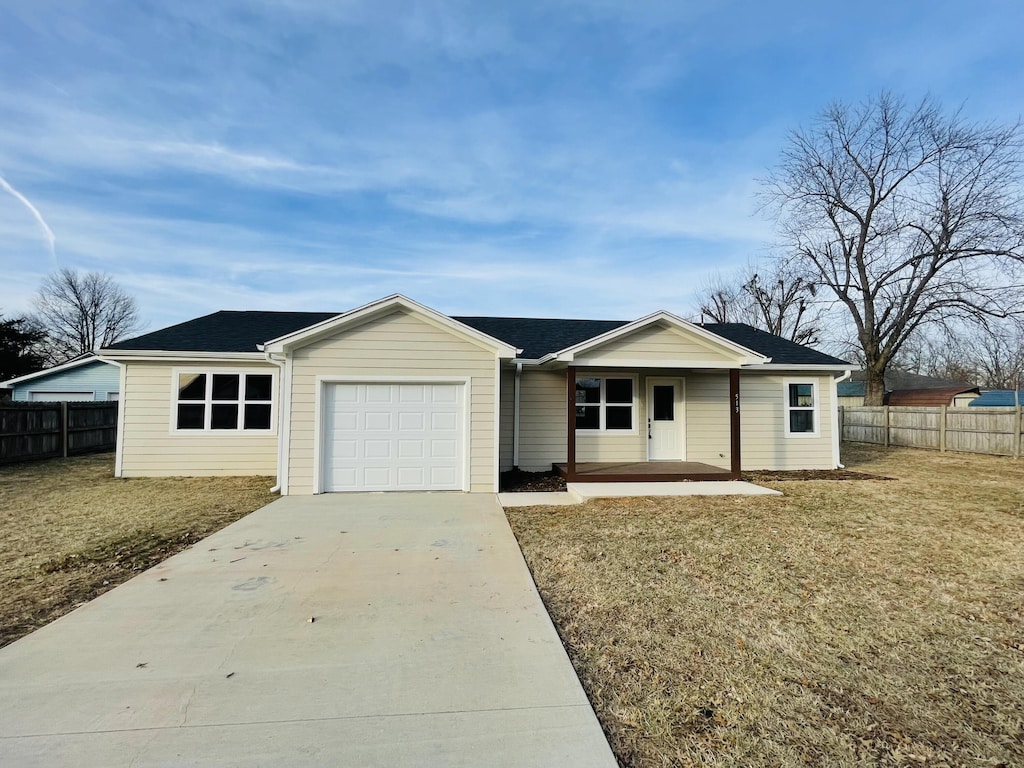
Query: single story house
{"type": "Point", "coordinates": [999, 398]}
{"type": "Point", "coordinates": [84, 378]}
{"type": "Point", "coordinates": [396, 396]}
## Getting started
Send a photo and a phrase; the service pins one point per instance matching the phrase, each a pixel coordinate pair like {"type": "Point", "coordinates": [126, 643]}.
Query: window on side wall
{"type": "Point", "coordinates": [223, 402]}
{"type": "Point", "coordinates": [801, 408]}
{"type": "Point", "coordinates": [604, 403]}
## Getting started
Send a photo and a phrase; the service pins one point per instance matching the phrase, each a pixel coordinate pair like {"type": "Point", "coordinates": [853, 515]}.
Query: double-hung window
{"type": "Point", "coordinates": [213, 401]}
{"type": "Point", "coordinates": [604, 403]}
{"type": "Point", "coordinates": [801, 408]}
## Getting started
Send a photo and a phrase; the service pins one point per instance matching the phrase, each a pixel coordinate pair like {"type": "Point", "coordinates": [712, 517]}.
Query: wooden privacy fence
{"type": "Point", "coordinates": [51, 430]}
{"type": "Point", "coordinates": [996, 431]}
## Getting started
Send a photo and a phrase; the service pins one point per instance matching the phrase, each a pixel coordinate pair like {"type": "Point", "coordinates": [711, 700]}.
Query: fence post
{"type": "Point", "coordinates": [885, 425]}
{"type": "Point", "coordinates": [842, 422]}
{"type": "Point", "coordinates": [64, 428]}
{"type": "Point", "coordinates": [1016, 432]}
{"type": "Point", "coordinates": [942, 428]}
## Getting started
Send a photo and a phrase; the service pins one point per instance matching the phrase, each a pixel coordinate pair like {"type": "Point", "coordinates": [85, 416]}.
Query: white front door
{"type": "Point", "coordinates": [665, 429]}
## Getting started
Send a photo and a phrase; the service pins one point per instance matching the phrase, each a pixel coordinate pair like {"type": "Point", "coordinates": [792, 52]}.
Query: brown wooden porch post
{"type": "Point", "coordinates": [734, 421]}
{"type": "Point", "coordinates": [570, 442]}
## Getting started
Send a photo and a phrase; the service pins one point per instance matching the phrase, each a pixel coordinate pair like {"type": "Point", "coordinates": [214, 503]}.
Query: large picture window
{"type": "Point", "coordinates": [224, 401]}
{"type": "Point", "coordinates": [604, 403]}
{"type": "Point", "coordinates": [801, 408]}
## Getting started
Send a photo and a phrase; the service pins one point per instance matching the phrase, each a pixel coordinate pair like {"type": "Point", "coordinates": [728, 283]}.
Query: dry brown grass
{"type": "Point", "coordinates": [70, 530]}
{"type": "Point", "coordinates": [849, 623]}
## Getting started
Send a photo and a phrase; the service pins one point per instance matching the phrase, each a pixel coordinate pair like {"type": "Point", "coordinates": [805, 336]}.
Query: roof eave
{"type": "Point", "coordinates": [166, 354]}
{"type": "Point", "coordinates": [801, 367]}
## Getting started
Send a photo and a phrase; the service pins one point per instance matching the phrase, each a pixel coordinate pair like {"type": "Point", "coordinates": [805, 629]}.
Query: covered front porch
{"type": "Point", "coordinates": [657, 414]}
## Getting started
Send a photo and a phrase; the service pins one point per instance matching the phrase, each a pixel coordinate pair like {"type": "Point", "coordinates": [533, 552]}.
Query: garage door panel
{"type": "Point", "coordinates": [442, 476]}
{"type": "Point", "coordinates": [377, 393]}
{"type": "Point", "coordinates": [445, 393]}
{"type": "Point", "coordinates": [411, 477]}
{"type": "Point", "coordinates": [377, 449]}
{"type": "Point", "coordinates": [344, 449]}
{"type": "Point", "coordinates": [412, 393]}
{"type": "Point", "coordinates": [410, 449]}
{"type": "Point", "coordinates": [393, 437]}
{"type": "Point", "coordinates": [443, 422]}
{"type": "Point", "coordinates": [412, 421]}
{"type": "Point", "coordinates": [443, 449]}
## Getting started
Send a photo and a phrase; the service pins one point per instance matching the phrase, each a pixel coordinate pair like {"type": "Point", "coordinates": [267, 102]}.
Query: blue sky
{"type": "Point", "coordinates": [573, 159]}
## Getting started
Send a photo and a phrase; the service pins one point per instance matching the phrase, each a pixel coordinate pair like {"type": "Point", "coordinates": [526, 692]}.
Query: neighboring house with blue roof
{"type": "Point", "coordinates": [397, 396]}
{"type": "Point", "coordinates": [85, 378]}
{"type": "Point", "coordinates": [998, 398]}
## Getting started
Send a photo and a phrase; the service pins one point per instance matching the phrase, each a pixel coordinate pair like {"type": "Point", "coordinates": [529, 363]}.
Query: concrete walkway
{"type": "Point", "coordinates": [577, 493]}
{"type": "Point", "coordinates": [342, 630]}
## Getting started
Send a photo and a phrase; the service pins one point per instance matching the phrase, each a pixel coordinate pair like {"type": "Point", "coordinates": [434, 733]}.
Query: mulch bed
{"type": "Point", "coordinates": [518, 481]}
{"type": "Point", "coordinates": [778, 476]}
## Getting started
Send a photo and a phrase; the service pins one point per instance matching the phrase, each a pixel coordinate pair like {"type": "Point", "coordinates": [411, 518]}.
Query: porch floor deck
{"type": "Point", "coordinates": [643, 471]}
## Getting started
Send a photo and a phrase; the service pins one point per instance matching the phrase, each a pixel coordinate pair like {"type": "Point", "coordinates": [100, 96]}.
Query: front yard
{"type": "Point", "coordinates": [848, 623]}
{"type": "Point", "coordinates": [70, 530]}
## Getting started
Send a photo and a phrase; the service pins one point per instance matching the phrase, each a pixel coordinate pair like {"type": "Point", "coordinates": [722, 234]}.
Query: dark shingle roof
{"type": "Point", "coordinates": [229, 331]}
{"type": "Point", "coordinates": [781, 351]}
{"type": "Point", "coordinates": [538, 337]}
{"type": "Point", "coordinates": [225, 331]}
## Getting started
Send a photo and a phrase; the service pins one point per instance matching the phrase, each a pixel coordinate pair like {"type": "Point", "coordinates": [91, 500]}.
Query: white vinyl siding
{"type": "Point", "coordinates": [506, 429]}
{"type": "Point", "coordinates": [391, 347]}
{"type": "Point", "coordinates": [707, 418]}
{"type": "Point", "coordinates": [655, 344]}
{"type": "Point", "coordinates": [151, 449]}
{"type": "Point", "coordinates": [764, 444]}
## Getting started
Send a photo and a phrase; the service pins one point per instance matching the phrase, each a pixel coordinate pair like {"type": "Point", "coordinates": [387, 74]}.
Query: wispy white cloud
{"type": "Point", "coordinates": [51, 239]}
{"type": "Point", "coordinates": [592, 157]}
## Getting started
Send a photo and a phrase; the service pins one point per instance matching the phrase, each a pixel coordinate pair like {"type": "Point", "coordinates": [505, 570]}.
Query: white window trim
{"type": "Point", "coordinates": [634, 405]}
{"type": "Point", "coordinates": [815, 408]}
{"type": "Point", "coordinates": [208, 401]}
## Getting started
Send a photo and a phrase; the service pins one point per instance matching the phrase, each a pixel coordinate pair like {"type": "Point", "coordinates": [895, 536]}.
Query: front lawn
{"type": "Point", "coordinates": [69, 530]}
{"type": "Point", "coordinates": [848, 623]}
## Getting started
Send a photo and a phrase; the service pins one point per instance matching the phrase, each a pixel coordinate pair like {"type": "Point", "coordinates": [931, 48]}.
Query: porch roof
{"type": "Point", "coordinates": [538, 337]}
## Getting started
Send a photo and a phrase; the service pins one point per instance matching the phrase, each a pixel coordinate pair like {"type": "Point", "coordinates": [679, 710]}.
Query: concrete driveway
{"type": "Point", "coordinates": [342, 630]}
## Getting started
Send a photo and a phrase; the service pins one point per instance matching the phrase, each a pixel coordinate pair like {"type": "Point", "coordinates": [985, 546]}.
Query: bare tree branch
{"type": "Point", "coordinates": [771, 299]}
{"type": "Point", "coordinates": [83, 312]}
{"type": "Point", "coordinates": [909, 216]}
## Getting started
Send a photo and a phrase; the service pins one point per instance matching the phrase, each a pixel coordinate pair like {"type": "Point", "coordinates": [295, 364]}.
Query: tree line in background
{"type": "Point", "coordinates": [902, 244]}
{"type": "Point", "coordinates": [75, 313]}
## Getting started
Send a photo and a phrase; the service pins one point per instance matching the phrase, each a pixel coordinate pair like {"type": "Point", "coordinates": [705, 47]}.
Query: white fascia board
{"type": "Point", "coordinates": [284, 343]}
{"type": "Point", "coordinates": [177, 356]}
{"type": "Point", "coordinates": [88, 358]}
{"type": "Point", "coordinates": [798, 367]}
{"type": "Point", "coordinates": [569, 353]}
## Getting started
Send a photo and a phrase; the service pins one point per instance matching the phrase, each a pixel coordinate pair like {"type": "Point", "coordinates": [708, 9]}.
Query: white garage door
{"type": "Point", "coordinates": [393, 437]}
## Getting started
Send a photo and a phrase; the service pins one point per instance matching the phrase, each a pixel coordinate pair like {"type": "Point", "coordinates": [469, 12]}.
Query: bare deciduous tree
{"type": "Point", "coordinates": [770, 299]}
{"type": "Point", "coordinates": [908, 215]}
{"type": "Point", "coordinates": [82, 312]}
{"type": "Point", "coordinates": [991, 357]}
